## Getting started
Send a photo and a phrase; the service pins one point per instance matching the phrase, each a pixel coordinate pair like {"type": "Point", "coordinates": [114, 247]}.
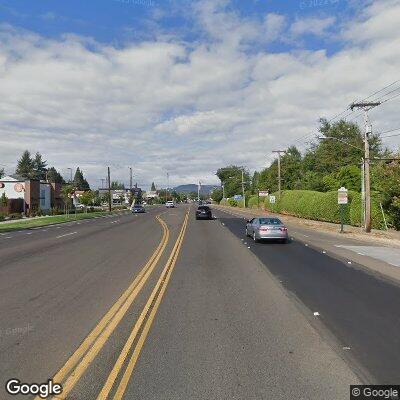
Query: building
{"type": "Point", "coordinates": [122, 196]}
{"type": "Point", "coordinates": [30, 195]}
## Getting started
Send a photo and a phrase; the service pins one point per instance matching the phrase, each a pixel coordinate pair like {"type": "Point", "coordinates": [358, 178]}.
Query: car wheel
{"type": "Point", "coordinates": [254, 237]}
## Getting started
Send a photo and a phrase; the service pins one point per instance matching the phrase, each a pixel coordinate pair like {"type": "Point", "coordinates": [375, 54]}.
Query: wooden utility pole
{"type": "Point", "coordinates": [109, 189]}
{"type": "Point", "coordinates": [279, 170]}
{"type": "Point", "coordinates": [368, 129]}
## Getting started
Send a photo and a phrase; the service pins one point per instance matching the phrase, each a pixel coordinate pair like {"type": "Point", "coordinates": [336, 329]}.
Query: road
{"type": "Point", "coordinates": [160, 306]}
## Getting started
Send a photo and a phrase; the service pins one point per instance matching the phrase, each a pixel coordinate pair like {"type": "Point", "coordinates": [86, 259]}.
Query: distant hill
{"type": "Point", "coordinates": [205, 189]}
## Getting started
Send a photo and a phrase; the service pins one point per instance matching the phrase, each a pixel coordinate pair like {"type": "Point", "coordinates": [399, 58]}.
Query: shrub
{"type": "Point", "coordinates": [253, 202]}
{"type": "Point", "coordinates": [2, 217]}
{"type": "Point", "coordinates": [232, 202]}
{"type": "Point", "coordinates": [376, 213]}
{"type": "Point", "coordinates": [14, 216]}
{"type": "Point", "coordinates": [223, 202]}
{"type": "Point", "coordinates": [321, 206]}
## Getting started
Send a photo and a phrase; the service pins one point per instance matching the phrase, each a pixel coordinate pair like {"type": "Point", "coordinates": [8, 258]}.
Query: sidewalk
{"type": "Point", "coordinates": [377, 252]}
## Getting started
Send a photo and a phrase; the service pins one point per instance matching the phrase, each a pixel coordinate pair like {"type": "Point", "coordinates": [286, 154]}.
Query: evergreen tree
{"type": "Point", "coordinates": [80, 182]}
{"type": "Point", "coordinates": [39, 167]}
{"type": "Point", "coordinates": [153, 187]}
{"type": "Point", "coordinates": [25, 166]}
{"type": "Point", "coordinates": [54, 176]}
{"type": "Point", "coordinates": [1, 172]}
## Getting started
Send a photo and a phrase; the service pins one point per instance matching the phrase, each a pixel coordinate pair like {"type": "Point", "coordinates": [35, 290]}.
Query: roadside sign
{"type": "Point", "coordinates": [262, 193]}
{"type": "Point", "coordinates": [237, 197]}
{"type": "Point", "coordinates": [272, 199]}
{"type": "Point", "coordinates": [342, 196]}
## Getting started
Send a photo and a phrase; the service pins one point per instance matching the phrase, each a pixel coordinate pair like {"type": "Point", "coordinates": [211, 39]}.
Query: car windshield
{"type": "Point", "coordinates": [270, 221]}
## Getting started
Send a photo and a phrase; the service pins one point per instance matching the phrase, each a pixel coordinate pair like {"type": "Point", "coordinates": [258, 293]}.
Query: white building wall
{"type": "Point", "coordinates": [10, 189]}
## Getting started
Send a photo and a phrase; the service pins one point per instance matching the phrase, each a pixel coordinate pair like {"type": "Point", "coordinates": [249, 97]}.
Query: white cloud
{"type": "Point", "coordinates": [313, 26]}
{"type": "Point", "coordinates": [188, 108]}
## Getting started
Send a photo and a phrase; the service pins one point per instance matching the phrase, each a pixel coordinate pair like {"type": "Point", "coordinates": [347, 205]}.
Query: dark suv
{"type": "Point", "coordinates": [203, 212]}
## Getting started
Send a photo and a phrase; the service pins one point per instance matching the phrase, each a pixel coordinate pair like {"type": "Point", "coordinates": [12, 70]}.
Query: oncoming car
{"type": "Point", "coordinates": [170, 204]}
{"type": "Point", "coordinates": [138, 208]}
{"type": "Point", "coordinates": [267, 228]}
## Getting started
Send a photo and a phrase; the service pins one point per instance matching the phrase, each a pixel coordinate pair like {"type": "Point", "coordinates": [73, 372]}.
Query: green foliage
{"type": "Point", "coordinates": [253, 201]}
{"type": "Point", "coordinates": [231, 178]}
{"type": "Point", "coordinates": [153, 187]}
{"type": "Point", "coordinates": [3, 200]}
{"type": "Point", "coordinates": [39, 167]}
{"type": "Point", "coordinates": [80, 182]}
{"type": "Point", "coordinates": [216, 195]}
{"type": "Point", "coordinates": [25, 166]}
{"type": "Point", "coordinates": [232, 202]}
{"type": "Point", "coordinates": [115, 185]}
{"type": "Point", "coordinates": [87, 198]}
{"type": "Point", "coordinates": [2, 217]}
{"type": "Point", "coordinates": [1, 172]}
{"type": "Point", "coordinates": [54, 176]}
{"type": "Point", "coordinates": [376, 213]}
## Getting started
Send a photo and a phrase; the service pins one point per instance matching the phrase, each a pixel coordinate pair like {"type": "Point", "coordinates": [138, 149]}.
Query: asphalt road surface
{"type": "Point", "coordinates": [160, 306]}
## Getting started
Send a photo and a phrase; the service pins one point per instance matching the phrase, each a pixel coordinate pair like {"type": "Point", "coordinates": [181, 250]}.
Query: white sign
{"type": "Point", "coordinates": [342, 196]}
{"type": "Point", "coordinates": [272, 199]}
{"type": "Point", "coordinates": [263, 193]}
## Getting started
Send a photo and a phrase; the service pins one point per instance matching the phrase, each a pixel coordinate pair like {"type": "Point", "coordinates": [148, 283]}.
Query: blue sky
{"type": "Point", "coordinates": [120, 21]}
{"type": "Point", "coordinates": [185, 86]}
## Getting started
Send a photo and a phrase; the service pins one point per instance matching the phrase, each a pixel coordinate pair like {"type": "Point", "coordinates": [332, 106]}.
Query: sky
{"type": "Point", "coordinates": [187, 86]}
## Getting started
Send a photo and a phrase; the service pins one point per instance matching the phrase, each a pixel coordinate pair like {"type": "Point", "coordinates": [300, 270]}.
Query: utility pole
{"type": "Point", "coordinates": [368, 129]}
{"type": "Point", "coordinates": [244, 195]}
{"type": "Point", "coordinates": [109, 189]}
{"type": "Point", "coordinates": [130, 179]}
{"type": "Point", "coordinates": [198, 192]}
{"type": "Point", "coordinates": [279, 169]}
{"type": "Point", "coordinates": [167, 192]}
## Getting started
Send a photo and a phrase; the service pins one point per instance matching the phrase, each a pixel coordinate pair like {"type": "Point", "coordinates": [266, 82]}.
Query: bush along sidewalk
{"type": "Point", "coordinates": [321, 206]}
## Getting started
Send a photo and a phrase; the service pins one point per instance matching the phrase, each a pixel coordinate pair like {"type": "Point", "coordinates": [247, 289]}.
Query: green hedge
{"type": "Point", "coordinates": [321, 206]}
{"type": "Point", "coordinates": [376, 213]}
{"type": "Point", "coordinates": [253, 202]}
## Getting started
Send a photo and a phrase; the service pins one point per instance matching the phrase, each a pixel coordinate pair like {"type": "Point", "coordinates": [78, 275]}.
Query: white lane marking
{"type": "Point", "coordinates": [348, 262]}
{"type": "Point", "coordinates": [29, 233]}
{"type": "Point", "coordinates": [67, 234]}
{"type": "Point", "coordinates": [304, 235]}
{"type": "Point", "coordinates": [346, 348]}
{"type": "Point", "coordinates": [323, 251]}
{"type": "Point", "coordinates": [306, 245]}
{"type": "Point", "coordinates": [8, 237]}
{"type": "Point", "coordinates": [316, 314]}
{"type": "Point", "coordinates": [248, 247]}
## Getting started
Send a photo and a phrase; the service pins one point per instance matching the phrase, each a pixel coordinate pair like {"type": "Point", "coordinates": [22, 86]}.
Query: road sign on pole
{"type": "Point", "coordinates": [263, 193]}
{"type": "Point", "coordinates": [272, 199]}
{"type": "Point", "coordinates": [342, 201]}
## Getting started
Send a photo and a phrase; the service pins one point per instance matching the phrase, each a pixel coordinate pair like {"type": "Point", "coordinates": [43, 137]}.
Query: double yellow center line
{"type": "Point", "coordinates": [82, 358]}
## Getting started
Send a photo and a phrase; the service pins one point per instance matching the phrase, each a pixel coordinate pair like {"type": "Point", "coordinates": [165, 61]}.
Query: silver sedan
{"type": "Point", "coordinates": [268, 228]}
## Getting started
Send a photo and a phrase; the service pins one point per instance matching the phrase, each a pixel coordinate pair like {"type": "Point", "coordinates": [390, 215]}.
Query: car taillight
{"type": "Point", "coordinates": [283, 229]}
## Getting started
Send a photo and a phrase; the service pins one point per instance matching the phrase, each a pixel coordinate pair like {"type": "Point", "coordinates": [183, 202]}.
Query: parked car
{"type": "Point", "coordinates": [138, 208]}
{"type": "Point", "coordinates": [267, 228]}
{"type": "Point", "coordinates": [203, 212]}
{"type": "Point", "coordinates": [170, 204]}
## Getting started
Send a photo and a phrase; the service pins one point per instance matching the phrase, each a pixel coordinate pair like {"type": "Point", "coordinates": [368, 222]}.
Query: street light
{"type": "Point", "coordinates": [70, 181]}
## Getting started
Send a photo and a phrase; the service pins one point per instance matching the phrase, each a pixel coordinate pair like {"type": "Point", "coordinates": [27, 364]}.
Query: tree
{"type": "Point", "coordinates": [153, 187]}
{"type": "Point", "coordinates": [216, 195]}
{"type": "Point", "coordinates": [231, 178]}
{"type": "Point", "coordinates": [39, 167]}
{"type": "Point", "coordinates": [1, 172]}
{"type": "Point", "coordinates": [66, 192]}
{"type": "Point", "coordinates": [115, 185]}
{"type": "Point", "coordinates": [54, 176]}
{"type": "Point", "coordinates": [25, 166]}
{"type": "Point", "coordinates": [3, 200]}
{"type": "Point", "coordinates": [80, 182]}
{"type": "Point", "coordinates": [87, 198]}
